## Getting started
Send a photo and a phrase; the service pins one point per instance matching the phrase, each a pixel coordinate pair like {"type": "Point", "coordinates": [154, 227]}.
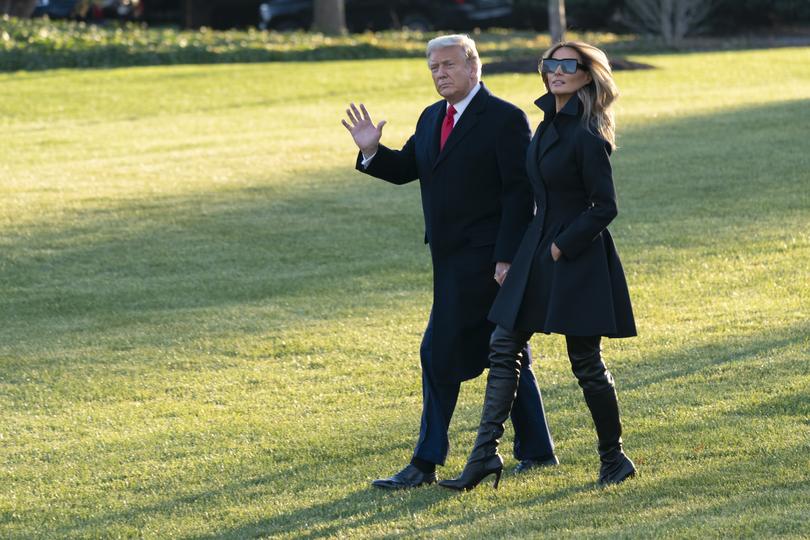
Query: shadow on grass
{"type": "Point", "coordinates": [686, 502]}
{"type": "Point", "coordinates": [339, 517]}
{"type": "Point", "coordinates": [668, 367]}
{"type": "Point", "coordinates": [792, 403]}
{"type": "Point", "coordinates": [675, 172]}
{"type": "Point", "coordinates": [213, 249]}
{"type": "Point", "coordinates": [252, 490]}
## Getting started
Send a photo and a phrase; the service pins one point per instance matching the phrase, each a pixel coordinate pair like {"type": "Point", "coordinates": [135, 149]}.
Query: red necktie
{"type": "Point", "coordinates": [447, 126]}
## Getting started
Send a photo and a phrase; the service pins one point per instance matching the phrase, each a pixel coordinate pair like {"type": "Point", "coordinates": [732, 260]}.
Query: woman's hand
{"type": "Point", "coordinates": [555, 252]}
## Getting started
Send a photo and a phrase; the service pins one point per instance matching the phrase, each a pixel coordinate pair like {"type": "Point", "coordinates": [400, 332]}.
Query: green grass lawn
{"type": "Point", "coordinates": [209, 322]}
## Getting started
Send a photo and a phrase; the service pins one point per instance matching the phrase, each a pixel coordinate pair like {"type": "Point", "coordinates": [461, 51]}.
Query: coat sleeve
{"type": "Point", "coordinates": [516, 198]}
{"type": "Point", "coordinates": [593, 159]}
{"type": "Point", "coordinates": [395, 166]}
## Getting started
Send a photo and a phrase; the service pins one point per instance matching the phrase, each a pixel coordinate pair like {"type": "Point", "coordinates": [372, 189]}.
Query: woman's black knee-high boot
{"type": "Point", "coordinates": [600, 395]}
{"type": "Point", "coordinates": [615, 466]}
{"type": "Point", "coordinates": [502, 383]}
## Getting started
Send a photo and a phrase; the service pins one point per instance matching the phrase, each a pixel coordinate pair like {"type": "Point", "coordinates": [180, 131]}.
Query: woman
{"type": "Point", "coordinates": [566, 277]}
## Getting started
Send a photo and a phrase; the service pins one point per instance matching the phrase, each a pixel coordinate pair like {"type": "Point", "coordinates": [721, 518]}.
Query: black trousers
{"type": "Point", "coordinates": [532, 437]}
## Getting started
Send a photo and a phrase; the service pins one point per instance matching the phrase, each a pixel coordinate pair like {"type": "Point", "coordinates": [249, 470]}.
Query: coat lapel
{"type": "Point", "coordinates": [547, 140]}
{"type": "Point", "coordinates": [546, 134]}
{"type": "Point", "coordinates": [438, 117]}
{"type": "Point", "coordinates": [532, 157]}
{"type": "Point", "coordinates": [464, 125]}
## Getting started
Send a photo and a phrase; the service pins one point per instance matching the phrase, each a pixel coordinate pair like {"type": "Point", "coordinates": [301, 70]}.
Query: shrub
{"type": "Point", "coordinates": [42, 44]}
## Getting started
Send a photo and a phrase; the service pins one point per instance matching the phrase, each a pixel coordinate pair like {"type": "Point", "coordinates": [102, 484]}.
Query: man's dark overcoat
{"type": "Point", "coordinates": [584, 293]}
{"type": "Point", "coordinates": [476, 201]}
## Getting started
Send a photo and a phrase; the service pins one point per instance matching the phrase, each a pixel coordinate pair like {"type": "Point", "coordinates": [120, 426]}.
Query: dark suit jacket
{"type": "Point", "coordinates": [584, 293]}
{"type": "Point", "coordinates": [476, 202]}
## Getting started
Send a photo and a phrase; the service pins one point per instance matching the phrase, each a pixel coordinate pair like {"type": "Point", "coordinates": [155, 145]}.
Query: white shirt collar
{"type": "Point", "coordinates": [462, 105]}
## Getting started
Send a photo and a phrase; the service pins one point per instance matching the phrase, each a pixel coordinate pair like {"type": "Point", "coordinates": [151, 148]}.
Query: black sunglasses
{"type": "Point", "coordinates": [569, 65]}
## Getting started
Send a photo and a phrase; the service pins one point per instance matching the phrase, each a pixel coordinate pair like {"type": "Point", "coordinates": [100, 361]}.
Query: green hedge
{"type": "Point", "coordinates": [41, 44]}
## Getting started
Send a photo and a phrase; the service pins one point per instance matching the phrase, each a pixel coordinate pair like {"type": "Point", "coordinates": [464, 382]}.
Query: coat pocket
{"type": "Point", "coordinates": [559, 229]}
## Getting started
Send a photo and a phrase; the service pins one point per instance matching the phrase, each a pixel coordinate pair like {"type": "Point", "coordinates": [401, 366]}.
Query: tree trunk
{"type": "Point", "coordinates": [666, 21]}
{"type": "Point", "coordinates": [18, 8]}
{"type": "Point", "coordinates": [670, 19]}
{"type": "Point", "coordinates": [197, 13]}
{"type": "Point", "coordinates": [556, 20]}
{"type": "Point", "coordinates": [329, 17]}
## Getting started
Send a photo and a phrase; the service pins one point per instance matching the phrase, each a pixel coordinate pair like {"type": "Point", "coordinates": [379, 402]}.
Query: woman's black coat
{"type": "Point", "coordinates": [584, 293]}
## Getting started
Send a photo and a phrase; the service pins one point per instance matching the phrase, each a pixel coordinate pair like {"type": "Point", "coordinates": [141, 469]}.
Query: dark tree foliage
{"type": "Point", "coordinates": [728, 16]}
{"type": "Point", "coordinates": [17, 8]}
{"type": "Point", "coordinates": [732, 15]}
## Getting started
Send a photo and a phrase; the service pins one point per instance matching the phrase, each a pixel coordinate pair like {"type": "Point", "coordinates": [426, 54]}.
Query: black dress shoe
{"type": "Point", "coordinates": [527, 464]}
{"type": "Point", "coordinates": [409, 477]}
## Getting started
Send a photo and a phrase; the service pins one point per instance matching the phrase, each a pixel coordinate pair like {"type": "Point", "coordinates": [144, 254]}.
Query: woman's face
{"type": "Point", "coordinates": [565, 84]}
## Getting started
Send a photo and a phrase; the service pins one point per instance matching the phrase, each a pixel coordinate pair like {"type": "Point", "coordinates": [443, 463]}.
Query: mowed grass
{"type": "Point", "coordinates": [209, 322]}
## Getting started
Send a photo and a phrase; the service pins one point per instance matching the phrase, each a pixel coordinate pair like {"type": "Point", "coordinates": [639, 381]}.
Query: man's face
{"type": "Point", "coordinates": [453, 75]}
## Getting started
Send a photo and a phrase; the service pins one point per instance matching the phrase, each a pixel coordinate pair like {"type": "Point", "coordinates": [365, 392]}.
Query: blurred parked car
{"type": "Point", "coordinates": [217, 14]}
{"type": "Point", "coordinates": [56, 9]}
{"type": "Point", "coordinates": [421, 15]}
{"type": "Point", "coordinates": [87, 10]}
{"type": "Point", "coordinates": [121, 9]}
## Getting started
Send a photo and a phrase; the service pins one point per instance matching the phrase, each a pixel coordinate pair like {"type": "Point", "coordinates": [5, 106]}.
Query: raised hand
{"type": "Point", "coordinates": [365, 134]}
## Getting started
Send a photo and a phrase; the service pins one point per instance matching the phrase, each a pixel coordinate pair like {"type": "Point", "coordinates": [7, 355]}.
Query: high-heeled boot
{"type": "Point", "coordinates": [502, 383]}
{"type": "Point", "coordinates": [615, 466]}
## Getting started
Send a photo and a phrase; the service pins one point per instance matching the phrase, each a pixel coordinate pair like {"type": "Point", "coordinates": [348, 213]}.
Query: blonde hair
{"type": "Point", "coordinates": [457, 40]}
{"type": "Point", "coordinates": [598, 95]}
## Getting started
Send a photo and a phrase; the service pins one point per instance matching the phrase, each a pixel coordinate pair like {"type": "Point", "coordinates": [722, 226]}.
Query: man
{"type": "Point", "coordinates": [469, 154]}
